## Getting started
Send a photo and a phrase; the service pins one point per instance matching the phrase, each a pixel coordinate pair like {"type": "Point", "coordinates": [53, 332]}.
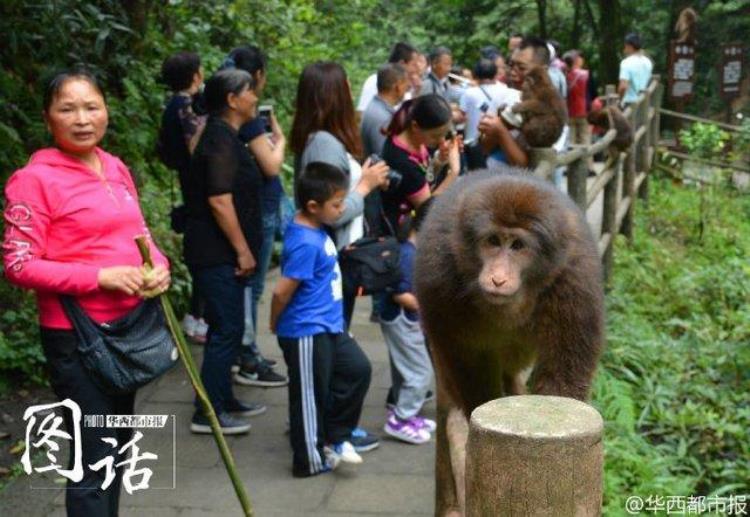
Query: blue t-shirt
{"type": "Point", "coordinates": [309, 255]}
{"type": "Point", "coordinates": [272, 188]}
{"type": "Point", "coordinates": [636, 70]}
{"type": "Point", "coordinates": [390, 309]}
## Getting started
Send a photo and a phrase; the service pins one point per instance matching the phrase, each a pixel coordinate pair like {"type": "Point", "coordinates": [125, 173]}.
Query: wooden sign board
{"type": "Point", "coordinates": [730, 75]}
{"type": "Point", "coordinates": [681, 70]}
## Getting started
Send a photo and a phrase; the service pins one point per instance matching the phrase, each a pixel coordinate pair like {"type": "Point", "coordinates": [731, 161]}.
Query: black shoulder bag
{"type": "Point", "coordinates": [127, 353]}
{"type": "Point", "coordinates": [370, 265]}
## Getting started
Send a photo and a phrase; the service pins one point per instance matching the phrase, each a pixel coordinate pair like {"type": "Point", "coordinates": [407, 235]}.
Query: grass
{"type": "Point", "coordinates": [674, 384]}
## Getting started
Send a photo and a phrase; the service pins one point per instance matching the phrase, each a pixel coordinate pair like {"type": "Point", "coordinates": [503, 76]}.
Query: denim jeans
{"type": "Point", "coordinates": [255, 285]}
{"type": "Point", "coordinates": [223, 292]}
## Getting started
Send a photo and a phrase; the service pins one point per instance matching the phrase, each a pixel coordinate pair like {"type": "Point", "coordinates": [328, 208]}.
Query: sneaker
{"type": "Point", "coordinates": [188, 325]}
{"type": "Point", "coordinates": [240, 408]}
{"type": "Point", "coordinates": [362, 441]}
{"type": "Point", "coordinates": [344, 452]}
{"type": "Point", "coordinates": [227, 423]}
{"type": "Point", "coordinates": [270, 363]}
{"type": "Point", "coordinates": [264, 377]}
{"type": "Point", "coordinates": [425, 423]}
{"type": "Point", "coordinates": [407, 430]}
{"type": "Point", "coordinates": [329, 466]}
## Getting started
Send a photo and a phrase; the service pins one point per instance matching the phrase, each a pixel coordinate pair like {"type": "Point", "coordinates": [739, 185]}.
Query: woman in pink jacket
{"type": "Point", "coordinates": [71, 216]}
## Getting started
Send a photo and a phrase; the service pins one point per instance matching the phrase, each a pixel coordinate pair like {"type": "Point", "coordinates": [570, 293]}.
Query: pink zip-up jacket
{"type": "Point", "coordinates": [63, 224]}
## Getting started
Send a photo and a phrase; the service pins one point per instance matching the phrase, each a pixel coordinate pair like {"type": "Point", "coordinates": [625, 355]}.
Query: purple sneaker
{"type": "Point", "coordinates": [408, 430]}
{"type": "Point", "coordinates": [426, 423]}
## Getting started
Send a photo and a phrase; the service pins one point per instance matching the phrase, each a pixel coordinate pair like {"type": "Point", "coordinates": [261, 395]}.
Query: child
{"type": "Point", "coordinates": [328, 373]}
{"type": "Point", "coordinates": [411, 367]}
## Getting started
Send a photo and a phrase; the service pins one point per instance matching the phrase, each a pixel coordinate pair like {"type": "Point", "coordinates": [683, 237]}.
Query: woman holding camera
{"type": "Point", "coordinates": [325, 130]}
{"type": "Point", "coordinates": [71, 215]}
{"type": "Point", "coordinates": [419, 124]}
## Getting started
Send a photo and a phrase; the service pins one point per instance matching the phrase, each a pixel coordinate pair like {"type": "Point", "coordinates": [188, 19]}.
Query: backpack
{"type": "Point", "coordinates": [371, 265]}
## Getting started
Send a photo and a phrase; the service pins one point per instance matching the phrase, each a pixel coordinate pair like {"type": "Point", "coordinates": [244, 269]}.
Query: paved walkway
{"type": "Point", "coordinates": [395, 479]}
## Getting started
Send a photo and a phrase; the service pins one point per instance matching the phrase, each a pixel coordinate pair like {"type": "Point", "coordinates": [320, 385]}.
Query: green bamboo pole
{"type": "Point", "coordinates": [192, 371]}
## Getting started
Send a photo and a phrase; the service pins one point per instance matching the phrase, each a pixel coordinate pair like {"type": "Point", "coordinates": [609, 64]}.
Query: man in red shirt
{"type": "Point", "coordinates": [578, 82]}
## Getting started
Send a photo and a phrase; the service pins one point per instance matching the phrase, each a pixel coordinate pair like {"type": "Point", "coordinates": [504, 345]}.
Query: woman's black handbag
{"type": "Point", "coordinates": [127, 353]}
{"type": "Point", "coordinates": [370, 265]}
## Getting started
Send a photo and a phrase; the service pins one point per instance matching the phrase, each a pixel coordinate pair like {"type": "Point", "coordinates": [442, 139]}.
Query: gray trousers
{"type": "Point", "coordinates": [411, 367]}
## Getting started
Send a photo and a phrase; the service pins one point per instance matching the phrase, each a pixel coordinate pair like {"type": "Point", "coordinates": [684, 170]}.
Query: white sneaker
{"type": "Point", "coordinates": [344, 452]}
{"type": "Point", "coordinates": [189, 324]}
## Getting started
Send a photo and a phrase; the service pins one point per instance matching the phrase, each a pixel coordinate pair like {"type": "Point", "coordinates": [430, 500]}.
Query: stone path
{"type": "Point", "coordinates": [395, 479]}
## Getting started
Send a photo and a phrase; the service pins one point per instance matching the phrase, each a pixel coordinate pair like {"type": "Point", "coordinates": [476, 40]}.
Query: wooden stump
{"type": "Point", "coordinates": [534, 455]}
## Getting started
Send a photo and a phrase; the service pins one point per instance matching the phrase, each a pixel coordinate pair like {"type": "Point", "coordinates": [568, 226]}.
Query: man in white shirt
{"type": "Point", "coordinates": [403, 54]}
{"type": "Point", "coordinates": [635, 70]}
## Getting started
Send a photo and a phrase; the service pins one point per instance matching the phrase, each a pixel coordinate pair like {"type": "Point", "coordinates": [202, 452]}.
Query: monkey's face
{"type": "Point", "coordinates": [505, 254]}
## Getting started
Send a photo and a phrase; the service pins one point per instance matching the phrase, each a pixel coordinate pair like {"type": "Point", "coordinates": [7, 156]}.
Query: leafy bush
{"type": "Point", "coordinates": [674, 379]}
{"type": "Point", "coordinates": [703, 140]}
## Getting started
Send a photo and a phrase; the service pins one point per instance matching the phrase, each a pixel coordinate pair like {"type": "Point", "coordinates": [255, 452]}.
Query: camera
{"type": "Point", "coordinates": [394, 178]}
{"type": "Point", "coordinates": [264, 113]}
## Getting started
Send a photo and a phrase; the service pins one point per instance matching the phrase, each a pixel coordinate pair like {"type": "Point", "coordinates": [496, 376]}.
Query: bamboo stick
{"type": "Point", "coordinates": [194, 376]}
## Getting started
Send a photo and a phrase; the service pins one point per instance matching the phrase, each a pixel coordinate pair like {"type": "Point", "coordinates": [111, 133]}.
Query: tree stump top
{"type": "Point", "coordinates": [539, 418]}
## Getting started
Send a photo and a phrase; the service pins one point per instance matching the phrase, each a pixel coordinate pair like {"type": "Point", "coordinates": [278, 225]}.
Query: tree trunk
{"type": "Point", "coordinates": [610, 40]}
{"type": "Point", "coordinates": [575, 33]}
{"type": "Point", "coordinates": [541, 8]}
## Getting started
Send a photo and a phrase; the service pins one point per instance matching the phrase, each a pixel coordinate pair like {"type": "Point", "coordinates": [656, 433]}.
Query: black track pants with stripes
{"type": "Point", "coordinates": [328, 379]}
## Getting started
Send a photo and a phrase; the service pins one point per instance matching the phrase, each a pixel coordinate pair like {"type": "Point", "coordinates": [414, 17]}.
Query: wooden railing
{"type": "Point", "coordinates": [622, 177]}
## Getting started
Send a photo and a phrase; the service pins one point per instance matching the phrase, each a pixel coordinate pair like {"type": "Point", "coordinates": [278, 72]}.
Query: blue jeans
{"type": "Point", "coordinates": [223, 293]}
{"type": "Point", "coordinates": [255, 285]}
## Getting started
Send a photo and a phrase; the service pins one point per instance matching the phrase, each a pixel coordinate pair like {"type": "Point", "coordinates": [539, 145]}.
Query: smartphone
{"type": "Point", "coordinates": [264, 113]}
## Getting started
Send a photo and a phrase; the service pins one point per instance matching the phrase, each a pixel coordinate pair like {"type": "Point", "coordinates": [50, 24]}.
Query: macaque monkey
{"type": "Point", "coordinates": [509, 278]}
{"type": "Point", "coordinates": [542, 109]}
{"type": "Point", "coordinates": [686, 25]}
{"type": "Point", "coordinates": [611, 117]}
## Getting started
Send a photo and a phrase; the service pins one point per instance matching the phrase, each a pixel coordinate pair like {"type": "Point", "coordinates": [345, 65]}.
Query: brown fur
{"type": "Point", "coordinates": [481, 347]}
{"type": "Point", "coordinates": [611, 117]}
{"type": "Point", "coordinates": [543, 110]}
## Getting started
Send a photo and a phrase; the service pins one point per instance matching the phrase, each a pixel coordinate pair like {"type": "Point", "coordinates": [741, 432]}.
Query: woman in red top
{"type": "Point", "coordinates": [71, 217]}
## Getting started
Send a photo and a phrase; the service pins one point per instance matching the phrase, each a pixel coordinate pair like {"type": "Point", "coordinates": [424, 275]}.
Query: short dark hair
{"type": "Point", "coordinates": [485, 69]}
{"type": "Point", "coordinates": [634, 40]}
{"type": "Point", "coordinates": [489, 52]}
{"type": "Point", "coordinates": [401, 52]}
{"type": "Point", "coordinates": [539, 46]}
{"type": "Point", "coordinates": [428, 111]}
{"type": "Point", "coordinates": [318, 182]}
{"type": "Point", "coordinates": [438, 53]}
{"type": "Point", "coordinates": [570, 56]}
{"type": "Point", "coordinates": [248, 58]}
{"type": "Point", "coordinates": [389, 75]}
{"type": "Point", "coordinates": [221, 84]}
{"type": "Point", "coordinates": [60, 78]}
{"type": "Point", "coordinates": [177, 70]}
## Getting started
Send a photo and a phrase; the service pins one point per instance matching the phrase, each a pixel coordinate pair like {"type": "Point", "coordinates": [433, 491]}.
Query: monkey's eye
{"type": "Point", "coordinates": [517, 245]}
{"type": "Point", "coordinates": [494, 240]}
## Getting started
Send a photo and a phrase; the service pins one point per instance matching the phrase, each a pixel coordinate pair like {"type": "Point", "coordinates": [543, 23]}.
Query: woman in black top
{"type": "Point", "coordinates": [223, 237]}
{"type": "Point", "coordinates": [419, 124]}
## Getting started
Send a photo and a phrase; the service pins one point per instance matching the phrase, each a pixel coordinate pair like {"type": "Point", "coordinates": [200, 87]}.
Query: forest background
{"type": "Point", "coordinates": [661, 311]}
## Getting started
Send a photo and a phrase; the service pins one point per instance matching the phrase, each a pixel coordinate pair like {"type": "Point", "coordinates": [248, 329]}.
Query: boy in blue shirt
{"type": "Point", "coordinates": [328, 373]}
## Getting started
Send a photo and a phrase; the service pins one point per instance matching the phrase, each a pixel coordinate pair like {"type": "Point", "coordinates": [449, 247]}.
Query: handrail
{"type": "Point", "coordinates": [624, 175]}
{"type": "Point", "coordinates": [694, 118]}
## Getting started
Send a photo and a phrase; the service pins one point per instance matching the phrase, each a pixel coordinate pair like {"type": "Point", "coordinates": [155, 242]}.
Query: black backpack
{"type": "Point", "coordinates": [371, 265]}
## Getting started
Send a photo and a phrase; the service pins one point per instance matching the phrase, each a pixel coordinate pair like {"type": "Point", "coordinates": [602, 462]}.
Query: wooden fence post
{"type": "Point", "coordinates": [609, 217]}
{"type": "Point", "coordinates": [578, 173]}
{"type": "Point", "coordinates": [543, 161]}
{"type": "Point", "coordinates": [534, 455]}
{"type": "Point", "coordinates": [653, 133]}
{"type": "Point", "coordinates": [628, 187]}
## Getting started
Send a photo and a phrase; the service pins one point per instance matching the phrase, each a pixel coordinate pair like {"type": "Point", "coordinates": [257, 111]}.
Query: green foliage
{"type": "Point", "coordinates": [703, 140]}
{"type": "Point", "coordinates": [675, 376]}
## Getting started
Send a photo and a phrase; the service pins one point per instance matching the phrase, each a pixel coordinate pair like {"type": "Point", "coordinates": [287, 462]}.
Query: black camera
{"type": "Point", "coordinates": [394, 178]}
